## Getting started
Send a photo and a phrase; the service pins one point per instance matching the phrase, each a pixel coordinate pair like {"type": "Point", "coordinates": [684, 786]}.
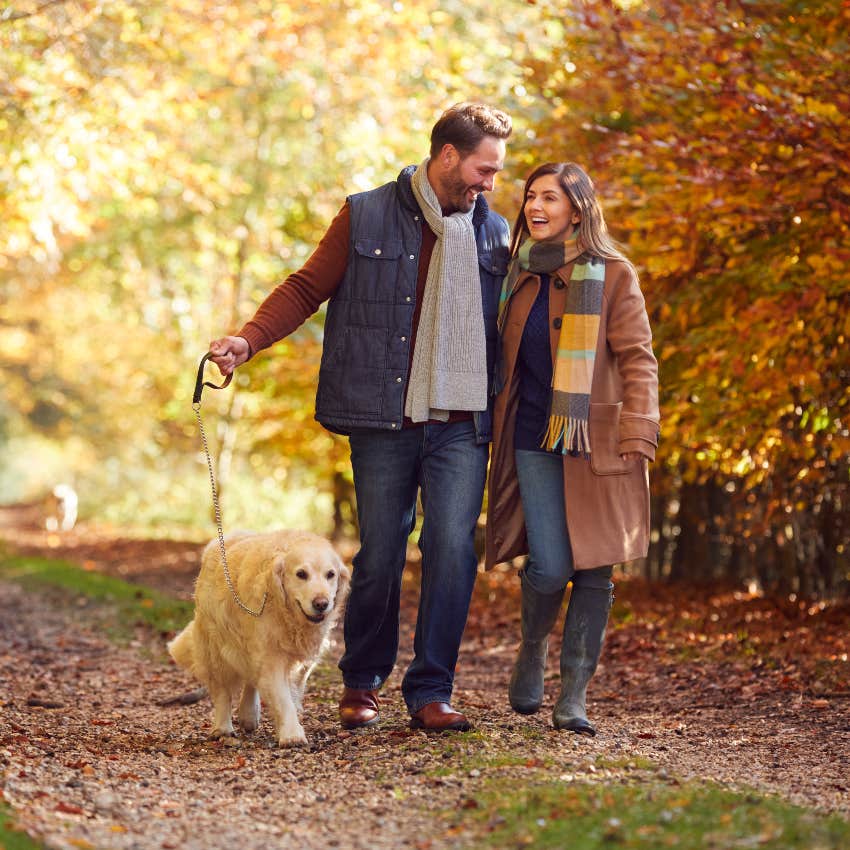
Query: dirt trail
{"type": "Point", "coordinates": [89, 759]}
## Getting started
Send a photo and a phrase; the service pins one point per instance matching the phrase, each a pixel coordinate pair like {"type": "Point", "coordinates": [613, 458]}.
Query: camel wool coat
{"type": "Point", "coordinates": [607, 499]}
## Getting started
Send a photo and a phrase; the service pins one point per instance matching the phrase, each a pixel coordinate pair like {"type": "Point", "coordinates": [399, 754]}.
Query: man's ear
{"type": "Point", "coordinates": [449, 156]}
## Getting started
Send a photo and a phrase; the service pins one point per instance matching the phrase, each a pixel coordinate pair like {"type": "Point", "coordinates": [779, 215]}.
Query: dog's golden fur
{"type": "Point", "coordinates": [272, 655]}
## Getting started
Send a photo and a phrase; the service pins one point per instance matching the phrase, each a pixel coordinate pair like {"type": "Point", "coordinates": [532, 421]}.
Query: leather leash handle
{"type": "Point", "coordinates": [200, 383]}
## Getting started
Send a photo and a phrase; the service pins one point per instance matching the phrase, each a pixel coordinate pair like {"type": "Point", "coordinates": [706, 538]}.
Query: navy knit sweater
{"type": "Point", "coordinates": [535, 374]}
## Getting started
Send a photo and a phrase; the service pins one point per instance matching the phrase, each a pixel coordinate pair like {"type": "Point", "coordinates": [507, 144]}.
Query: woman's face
{"type": "Point", "coordinates": [549, 214]}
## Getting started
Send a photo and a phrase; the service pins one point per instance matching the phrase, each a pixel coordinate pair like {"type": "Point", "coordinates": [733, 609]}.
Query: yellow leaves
{"type": "Point", "coordinates": [681, 74]}
{"type": "Point", "coordinates": [820, 109]}
{"type": "Point", "coordinates": [827, 264]}
{"type": "Point", "coordinates": [762, 91]}
{"type": "Point", "coordinates": [16, 345]}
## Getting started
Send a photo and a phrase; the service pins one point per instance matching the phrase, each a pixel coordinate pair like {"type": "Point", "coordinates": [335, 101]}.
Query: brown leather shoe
{"type": "Point", "coordinates": [439, 717]}
{"type": "Point", "coordinates": [358, 708]}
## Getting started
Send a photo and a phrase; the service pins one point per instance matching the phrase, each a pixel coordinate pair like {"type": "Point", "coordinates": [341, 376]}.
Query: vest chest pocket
{"type": "Point", "coordinates": [378, 249]}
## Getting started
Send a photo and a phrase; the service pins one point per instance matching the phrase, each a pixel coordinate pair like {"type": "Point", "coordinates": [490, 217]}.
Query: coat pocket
{"type": "Point", "coordinates": [605, 440]}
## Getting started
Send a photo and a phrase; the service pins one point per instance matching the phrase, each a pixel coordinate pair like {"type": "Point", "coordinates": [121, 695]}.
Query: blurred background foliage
{"type": "Point", "coordinates": [164, 164]}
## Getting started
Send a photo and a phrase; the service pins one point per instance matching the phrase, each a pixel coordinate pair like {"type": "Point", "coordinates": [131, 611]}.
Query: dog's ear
{"type": "Point", "coordinates": [279, 567]}
{"type": "Point", "coordinates": [344, 581]}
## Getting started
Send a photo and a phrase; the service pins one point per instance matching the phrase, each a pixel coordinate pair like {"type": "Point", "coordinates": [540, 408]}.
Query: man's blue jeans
{"type": "Point", "coordinates": [390, 467]}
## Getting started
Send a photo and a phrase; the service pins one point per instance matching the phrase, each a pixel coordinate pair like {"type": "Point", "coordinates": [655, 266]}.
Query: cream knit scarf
{"type": "Point", "coordinates": [449, 369]}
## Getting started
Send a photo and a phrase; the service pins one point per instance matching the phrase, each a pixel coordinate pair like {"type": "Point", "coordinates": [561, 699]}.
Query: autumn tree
{"type": "Point", "coordinates": [163, 166]}
{"type": "Point", "coordinates": [718, 136]}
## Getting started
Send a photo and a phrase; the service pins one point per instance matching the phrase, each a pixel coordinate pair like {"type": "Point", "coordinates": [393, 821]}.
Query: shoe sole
{"type": "Point", "coordinates": [458, 726]}
{"type": "Point", "coordinates": [526, 709]}
{"type": "Point", "coordinates": [577, 728]}
{"type": "Point", "coordinates": [362, 725]}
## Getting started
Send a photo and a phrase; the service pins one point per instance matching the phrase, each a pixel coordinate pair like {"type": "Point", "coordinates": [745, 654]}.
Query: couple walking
{"type": "Point", "coordinates": [446, 331]}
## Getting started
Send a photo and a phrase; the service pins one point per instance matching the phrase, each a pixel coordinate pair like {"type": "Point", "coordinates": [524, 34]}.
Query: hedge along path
{"type": "Point", "coordinates": [90, 760]}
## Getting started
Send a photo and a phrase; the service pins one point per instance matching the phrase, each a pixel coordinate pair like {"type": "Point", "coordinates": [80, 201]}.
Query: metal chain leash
{"type": "Point", "coordinates": [196, 406]}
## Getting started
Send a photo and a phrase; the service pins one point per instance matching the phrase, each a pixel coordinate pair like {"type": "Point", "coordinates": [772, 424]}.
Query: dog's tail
{"type": "Point", "coordinates": [182, 647]}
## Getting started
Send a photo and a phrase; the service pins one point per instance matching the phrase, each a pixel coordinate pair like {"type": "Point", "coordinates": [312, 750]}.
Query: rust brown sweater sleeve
{"type": "Point", "coordinates": [294, 300]}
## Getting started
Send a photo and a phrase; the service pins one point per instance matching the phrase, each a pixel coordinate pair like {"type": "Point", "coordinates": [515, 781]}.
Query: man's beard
{"type": "Point", "coordinates": [457, 191]}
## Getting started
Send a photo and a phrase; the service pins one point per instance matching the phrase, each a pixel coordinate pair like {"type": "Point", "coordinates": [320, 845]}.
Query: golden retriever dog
{"type": "Point", "coordinates": [270, 656]}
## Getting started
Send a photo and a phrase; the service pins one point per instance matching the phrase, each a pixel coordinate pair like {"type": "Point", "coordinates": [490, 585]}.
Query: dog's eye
{"type": "Point", "coordinates": [330, 575]}
{"type": "Point", "coordinates": [301, 574]}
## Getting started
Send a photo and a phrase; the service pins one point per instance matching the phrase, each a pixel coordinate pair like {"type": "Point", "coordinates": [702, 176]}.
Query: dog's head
{"type": "Point", "coordinates": [312, 578]}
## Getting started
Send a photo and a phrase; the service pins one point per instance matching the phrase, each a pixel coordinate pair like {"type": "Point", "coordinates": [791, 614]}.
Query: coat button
{"type": "Point", "coordinates": [556, 323]}
{"type": "Point", "coordinates": [559, 284]}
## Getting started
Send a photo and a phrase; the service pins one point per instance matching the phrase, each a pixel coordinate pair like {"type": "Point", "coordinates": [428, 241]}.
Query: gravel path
{"type": "Point", "coordinates": [89, 759]}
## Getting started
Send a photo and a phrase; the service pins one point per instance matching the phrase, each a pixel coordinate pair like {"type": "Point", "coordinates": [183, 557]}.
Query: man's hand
{"type": "Point", "coordinates": [229, 352]}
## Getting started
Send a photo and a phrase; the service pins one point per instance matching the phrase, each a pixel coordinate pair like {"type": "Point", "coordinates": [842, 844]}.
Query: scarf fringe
{"type": "Point", "coordinates": [570, 432]}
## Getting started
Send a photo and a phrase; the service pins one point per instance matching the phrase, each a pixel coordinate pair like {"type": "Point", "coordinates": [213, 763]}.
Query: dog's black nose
{"type": "Point", "coordinates": [321, 604]}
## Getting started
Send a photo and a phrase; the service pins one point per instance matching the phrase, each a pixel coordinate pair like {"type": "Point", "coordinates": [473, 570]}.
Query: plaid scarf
{"type": "Point", "coordinates": [572, 375]}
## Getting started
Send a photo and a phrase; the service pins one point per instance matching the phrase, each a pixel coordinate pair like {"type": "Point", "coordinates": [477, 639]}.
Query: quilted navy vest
{"type": "Point", "coordinates": [363, 375]}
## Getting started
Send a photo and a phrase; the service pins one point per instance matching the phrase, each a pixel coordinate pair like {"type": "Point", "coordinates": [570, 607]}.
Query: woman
{"type": "Point", "coordinates": [568, 481]}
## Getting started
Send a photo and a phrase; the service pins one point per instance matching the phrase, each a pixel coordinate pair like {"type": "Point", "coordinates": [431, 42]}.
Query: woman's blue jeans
{"type": "Point", "coordinates": [390, 468]}
{"type": "Point", "coordinates": [550, 558]}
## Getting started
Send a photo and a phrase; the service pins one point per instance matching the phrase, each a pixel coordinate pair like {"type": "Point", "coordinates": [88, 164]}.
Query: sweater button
{"type": "Point", "coordinates": [412, 257]}
{"type": "Point", "coordinates": [398, 380]}
{"type": "Point", "coordinates": [559, 284]}
{"type": "Point", "coordinates": [556, 323]}
{"type": "Point", "coordinates": [404, 339]}
{"type": "Point", "coordinates": [377, 250]}
{"type": "Point", "coordinates": [407, 299]}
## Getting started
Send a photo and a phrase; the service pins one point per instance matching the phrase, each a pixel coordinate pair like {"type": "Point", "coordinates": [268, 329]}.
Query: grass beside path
{"type": "Point", "coordinates": [11, 838]}
{"type": "Point", "coordinates": [129, 604]}
{"type": "Point", "coordinates": [647, 816]}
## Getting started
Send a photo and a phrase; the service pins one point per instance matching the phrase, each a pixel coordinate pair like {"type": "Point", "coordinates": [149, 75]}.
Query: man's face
{"type": "Point", "coordinates": [474, 173]}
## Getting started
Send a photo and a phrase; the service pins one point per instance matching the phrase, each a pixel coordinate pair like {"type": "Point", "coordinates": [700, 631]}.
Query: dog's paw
{"type": "Point", "coordinates": [292, 736]}
{"type": "Point", "coordinates": [216, 734]}
{"type": "Point", "coordinates": [249, 724]}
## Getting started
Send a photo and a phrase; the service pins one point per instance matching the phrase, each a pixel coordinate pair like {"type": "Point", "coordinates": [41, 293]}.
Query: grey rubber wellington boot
{"type": "Point", "coordinates": [539, 612]}
{"type": "Point", "coordinates": [584, 632]}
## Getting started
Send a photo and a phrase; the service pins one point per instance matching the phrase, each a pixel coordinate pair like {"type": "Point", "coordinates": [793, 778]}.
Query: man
{"type": "Point", "coordinates": [412, 270]}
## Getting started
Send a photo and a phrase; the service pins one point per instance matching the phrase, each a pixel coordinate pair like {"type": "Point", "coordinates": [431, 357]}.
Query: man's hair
{"type": "Point", "coordinates": [464, 125]}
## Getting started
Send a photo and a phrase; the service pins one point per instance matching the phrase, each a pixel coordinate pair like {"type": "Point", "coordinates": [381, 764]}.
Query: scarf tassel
{"type": "Point", "coordinates": [570, 432]}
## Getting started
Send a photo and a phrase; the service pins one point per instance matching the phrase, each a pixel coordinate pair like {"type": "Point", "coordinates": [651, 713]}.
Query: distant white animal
{"type": "Point", "coordinates": [270, 656]}
{"type": "Point", "coordinates": [62, 508]}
